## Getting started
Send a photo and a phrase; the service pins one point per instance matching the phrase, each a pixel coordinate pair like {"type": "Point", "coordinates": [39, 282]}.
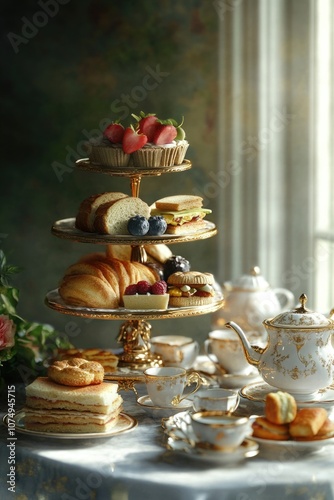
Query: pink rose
{"type": "Point", "coordinates": [7, 332]}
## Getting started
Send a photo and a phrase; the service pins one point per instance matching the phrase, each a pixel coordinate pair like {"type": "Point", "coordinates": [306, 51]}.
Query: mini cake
{"type": "Point", "coordinates": [181, 149]}
{"type": "Point", "coordinates": [149, 142]}
{"type": "Point", "coordinates": [161, 147]}
{"type": "Point", "coordinates": [142, 295]}
{"type": "Point", "coordinates": [104, 153]}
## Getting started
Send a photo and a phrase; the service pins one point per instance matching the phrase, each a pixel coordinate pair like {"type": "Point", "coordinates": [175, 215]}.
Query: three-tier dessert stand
{"type": "Point", "coordinates": [135, 332]}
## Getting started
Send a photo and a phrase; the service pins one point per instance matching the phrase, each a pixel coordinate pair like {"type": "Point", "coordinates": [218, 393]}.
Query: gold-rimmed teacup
{"type": "Point", "coordinates": [217, 430]}
{"type": "Point", "coordinates": [165, 385]}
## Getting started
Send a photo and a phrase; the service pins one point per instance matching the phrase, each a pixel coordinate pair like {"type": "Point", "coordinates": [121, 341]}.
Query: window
{"type": "Point", "coordinates": [276, 76]}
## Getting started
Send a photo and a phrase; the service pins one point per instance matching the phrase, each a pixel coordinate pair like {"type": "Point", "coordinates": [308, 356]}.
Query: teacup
{"type": "Point", "coordinates": [225, 400]}
{"type": "Point", "coordinates": [225, 347]}
{"type": "Point", "coordinates": [216, 430]}
{"type": "Point", "coordinates": [175, 350]}
{"type": "Point", "coordinates": [165, 385]}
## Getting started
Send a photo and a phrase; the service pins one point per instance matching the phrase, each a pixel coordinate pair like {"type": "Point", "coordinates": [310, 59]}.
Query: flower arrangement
{"type": "Point", "coordinates": [24, 346]}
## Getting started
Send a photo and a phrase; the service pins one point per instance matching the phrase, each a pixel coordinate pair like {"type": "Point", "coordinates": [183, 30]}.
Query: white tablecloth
{"type": "Point", "coordinates": [137, 466]}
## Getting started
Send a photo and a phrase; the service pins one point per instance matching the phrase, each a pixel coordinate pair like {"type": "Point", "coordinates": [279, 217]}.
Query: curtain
{"type": "Point", "coordinates": [270, 159]}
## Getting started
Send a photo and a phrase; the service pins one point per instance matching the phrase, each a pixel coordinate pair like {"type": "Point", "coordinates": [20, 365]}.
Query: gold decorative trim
{"type": "Point", "coordinates": [54, 301]}
{"type": "Point", "coordinates": [66, 229]}
{"type": "Point", "coordinates": [131, 171]}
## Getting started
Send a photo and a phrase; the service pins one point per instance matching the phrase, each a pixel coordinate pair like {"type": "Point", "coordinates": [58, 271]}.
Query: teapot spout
{"type": "Point", "coordinates": [253, 354]}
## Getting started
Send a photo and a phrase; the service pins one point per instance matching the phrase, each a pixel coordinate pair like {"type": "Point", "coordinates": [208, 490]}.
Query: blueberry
{"type": "Point", "coordinates": [175, 264]}
{"type": "Point", "coordinates": [138, 225]}
{"type": "Point", "coordinates": [158, 225]}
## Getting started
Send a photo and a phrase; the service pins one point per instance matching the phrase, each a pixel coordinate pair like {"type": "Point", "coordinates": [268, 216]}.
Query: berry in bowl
{"type": "Point", "coordinates": [143, 295]}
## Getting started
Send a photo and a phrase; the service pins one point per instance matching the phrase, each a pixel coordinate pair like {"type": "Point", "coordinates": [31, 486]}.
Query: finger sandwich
{"type": "Point", "coordinates": [184, 214]}
{"type": "Point", "coordinates": [52, 407]}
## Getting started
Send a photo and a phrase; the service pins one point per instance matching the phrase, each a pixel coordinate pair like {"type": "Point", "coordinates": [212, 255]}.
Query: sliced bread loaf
{"type": "Point", "coordinates": [87, 210]}
{"type": "Point", "coordinates": [112, 218]}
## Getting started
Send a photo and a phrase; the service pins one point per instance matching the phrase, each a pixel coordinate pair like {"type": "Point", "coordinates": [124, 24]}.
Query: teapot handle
{"type": "Point", "coordinates": [285, 297]}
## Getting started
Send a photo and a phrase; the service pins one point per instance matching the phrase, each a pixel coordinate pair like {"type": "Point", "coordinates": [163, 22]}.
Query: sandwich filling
{"type": "Point", "coordinates": [180, 217]}
{"type": "Point", "coordinates": [205, 290]}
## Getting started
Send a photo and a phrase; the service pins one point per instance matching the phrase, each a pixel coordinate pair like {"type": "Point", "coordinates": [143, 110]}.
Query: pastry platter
{"type": "Point", "coordinates": [66, 229]}
{"type": "Point", "coordinates": [130, 170]}
{"type": "Point", "coordinates": [291, 444]}
{"type": "Point", "coordinates": [257, 392]}
{"type": "Point", "coordinates": [54, 301]}
{"type": "Point", "coordinates": [125, 423]}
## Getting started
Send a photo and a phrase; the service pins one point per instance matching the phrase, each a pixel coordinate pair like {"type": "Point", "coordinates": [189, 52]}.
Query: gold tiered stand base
{"type": "Point", "coordinates": [135, 336]}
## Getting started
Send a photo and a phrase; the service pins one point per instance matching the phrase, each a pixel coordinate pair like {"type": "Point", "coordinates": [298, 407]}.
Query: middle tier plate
{"type": "Point", "coordinates": [54, 301]}
{"type": "Point", "coordinates": [66, 229]}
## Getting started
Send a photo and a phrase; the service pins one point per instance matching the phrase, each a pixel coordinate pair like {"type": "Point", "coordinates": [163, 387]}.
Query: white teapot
{"type": "Point", "coordinates": [299, 355]}
{"type": "Point", "coordinates": [249, 300]}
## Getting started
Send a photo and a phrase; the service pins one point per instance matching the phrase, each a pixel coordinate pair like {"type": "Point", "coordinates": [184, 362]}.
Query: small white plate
{"type": "Point", "coordinates": [295, 445]}
{"type": "Point", "coordinates": [249, 448]}
{"type": "Point", "coordinates": [257, 391]}
{"type": "Point", "coordinates": [163, 412]}
{"type": "Point", "coordinates": [125, 423]}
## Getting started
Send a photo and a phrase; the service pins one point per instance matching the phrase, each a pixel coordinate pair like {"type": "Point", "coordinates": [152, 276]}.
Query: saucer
{"type": "Point", "coordinates": [181, 439]}
{"type": "Point", "coordinates": [249, 448]}
{"type": "Point", "coordinates": [257, 391]}
{"type": "Point", "coordinates": [238, 380]}
{"type": "Point", "coordinates": [162, 412]}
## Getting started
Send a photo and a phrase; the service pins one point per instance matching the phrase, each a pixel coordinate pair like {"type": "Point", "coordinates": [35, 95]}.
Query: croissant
{"type": "Point", "coordinates": [99, 282]}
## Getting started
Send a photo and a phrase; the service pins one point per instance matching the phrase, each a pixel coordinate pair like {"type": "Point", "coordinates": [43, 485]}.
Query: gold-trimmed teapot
{"type": "Point", "coordinates": [249, 300]}
{"type": "Point", "coordinates": [299, 355]}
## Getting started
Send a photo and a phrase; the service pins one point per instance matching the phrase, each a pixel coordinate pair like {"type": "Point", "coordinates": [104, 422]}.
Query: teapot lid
{"type": "Point", "coordinates": [300, 317]}
{"type": "Point", "coordinates": [252, 281]}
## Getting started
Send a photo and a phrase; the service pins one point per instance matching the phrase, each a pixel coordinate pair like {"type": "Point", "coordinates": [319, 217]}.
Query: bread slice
{"type": "Point", "coordinates": [193, 278]}
{"type": "Point", "coordinates": [87, 210]}
{"type": "Point", "coordinates": [179, 202]}
{"type": "Point", "coordinates": [43, 393]}
{"type": "Point", "coordinates": [112, 218]}
{"type": "Point", "coordinates": [187, 227]}
{"type": "Point", "coordinates": [69, 421]}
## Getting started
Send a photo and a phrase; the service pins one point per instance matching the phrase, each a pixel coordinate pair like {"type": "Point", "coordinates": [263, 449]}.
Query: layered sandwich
{"type": "Point", "coordinates": [52, 407]}
{"type": "Point", "coordinates": [183, 213]}
{"type": "Point", "coordinates": [190, 288]}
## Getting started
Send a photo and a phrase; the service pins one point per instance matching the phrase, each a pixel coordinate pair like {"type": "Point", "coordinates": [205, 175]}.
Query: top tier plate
{"type": "Point", "coordinates": [130, 171]}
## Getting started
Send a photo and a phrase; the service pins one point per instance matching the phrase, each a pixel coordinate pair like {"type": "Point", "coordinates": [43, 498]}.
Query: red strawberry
{"type": "Point", "coordinates": [164, 134]}
{"type": "Point", "coordinates": [114, 132]}
{"type": "Point", "coordinates": [132, 141]}
{"type": "Point", "coordinates": [148, 126]}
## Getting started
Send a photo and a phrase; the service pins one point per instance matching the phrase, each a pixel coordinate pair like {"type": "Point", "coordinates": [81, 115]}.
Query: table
{"type": "Point", "coordinates": [137, 466]}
